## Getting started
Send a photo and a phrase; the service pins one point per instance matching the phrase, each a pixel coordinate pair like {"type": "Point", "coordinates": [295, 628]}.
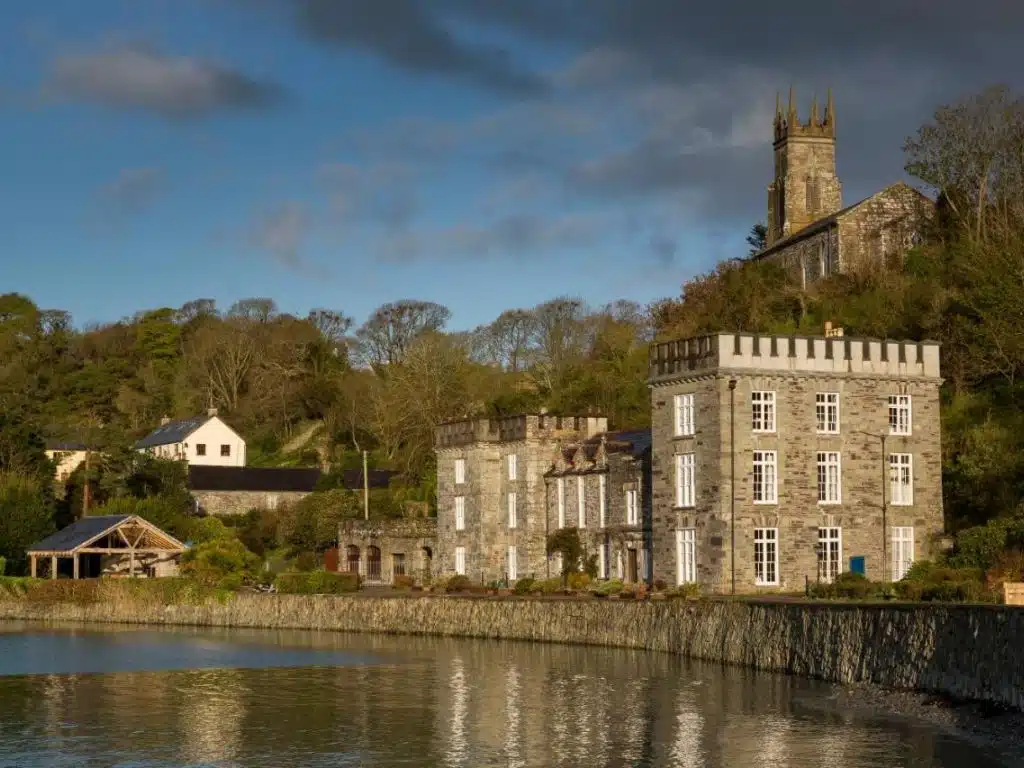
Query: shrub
{"type": "Point", "coordinates": [458, 583]}
{"type": "Point", "coordinates": [578, 581]}
{"type": "Point", "coordinates": [934, 582]}
{"type": "Point", "coordinates": [611, 587]}
{"type": "Point", "coordinates": [548, 586]}
{"type": "Point", "coordinates": [524, 586]}
{"type": "Point", "coordinates": [316, 583]}
{"type": "Point", "coordinates": [1009, 566]}
{"type": "Point", "coordinates": [3, 565]}
{"type": "Point", "coordinates": [222, 563]}
{"type": "Point", "coordinates": [403, 582]}
{"type": "Point", "coordinates": [660, 585]}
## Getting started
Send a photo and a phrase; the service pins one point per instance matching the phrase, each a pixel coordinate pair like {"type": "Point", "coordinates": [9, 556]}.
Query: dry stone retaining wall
{"type": "Point", "coordinates": [969, 652]}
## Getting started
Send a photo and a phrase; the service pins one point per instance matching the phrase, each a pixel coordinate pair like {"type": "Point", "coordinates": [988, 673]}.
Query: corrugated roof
{"type": "Point", "coordinates": [78, 533]}
{"type": "Point", "coordinates": [172, 432]}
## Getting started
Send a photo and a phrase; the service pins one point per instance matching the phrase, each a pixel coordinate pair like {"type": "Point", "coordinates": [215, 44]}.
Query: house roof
{"type": "Point", "coordinates": [65, 445]}
{"type": "Point", "coordinates": [172, 432]}
{"type": "Point", "coordinates": [634, 441]}
{"type": "Point", "coordinates": [205, 478]}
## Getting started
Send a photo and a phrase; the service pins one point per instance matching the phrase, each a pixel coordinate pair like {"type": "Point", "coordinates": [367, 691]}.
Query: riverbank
{"type": "Point", "coordinates": [957, 651]}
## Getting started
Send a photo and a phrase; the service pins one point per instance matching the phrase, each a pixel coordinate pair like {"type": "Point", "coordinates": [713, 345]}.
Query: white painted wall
{"type": "Point", "coordinates": [66, 461]}
{"type": "Point", "coordinates": [212, 435]}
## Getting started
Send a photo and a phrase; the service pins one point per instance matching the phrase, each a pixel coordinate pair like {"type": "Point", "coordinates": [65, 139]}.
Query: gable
{"type": "Point", "coordinates": [214, 432]}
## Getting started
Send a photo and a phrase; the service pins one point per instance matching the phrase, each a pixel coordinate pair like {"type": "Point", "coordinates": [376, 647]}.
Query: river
{"type": "Point", "coordinates": [134, 697]}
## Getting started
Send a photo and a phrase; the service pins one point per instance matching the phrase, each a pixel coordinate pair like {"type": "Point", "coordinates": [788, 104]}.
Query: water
{"type": "Point", "coordinates": [179, 697]}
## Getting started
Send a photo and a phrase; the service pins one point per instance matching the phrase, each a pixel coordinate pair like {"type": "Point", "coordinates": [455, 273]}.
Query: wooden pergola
{"type": "Point", "coordinates": [112, 535]}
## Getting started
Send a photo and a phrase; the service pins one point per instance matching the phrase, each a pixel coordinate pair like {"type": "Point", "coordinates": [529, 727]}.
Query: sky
{"type": "Point", "coordinates": [483, 154]}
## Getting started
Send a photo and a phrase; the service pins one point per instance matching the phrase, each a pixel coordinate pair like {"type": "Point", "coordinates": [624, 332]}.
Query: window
{"type": "Point", "coordinates": [397, 564]}
{"type": "Point", "coordinates": [460, 513]}
{"type": "Point", "coordinates": [225, 450]}
{"type": "Point", "coordinates": [200, 449]}
{"type": "Point", "coordinates": [830, 553]}
{"type": "Point", "coordinates": [901, 479]}
{"type": "Point", "coordinates": [460, 561]}
{"type": "Point", "coordinates": [902, 551]}
{"type": "Point", "coordinates": [512, 468]}
{"type": "Point", "coordinates": [602, 500]}
{"type": "Point", "coordinates": [829, 484]}
{"type": "Point", "coordinates": [513, 569]}
{"type": "Point", "coordinates": [684, 415]}
{"type": "Point", "coordinates": [686, 486]}
{"type": "Point", "coordinates": [581, 502]}
{"type": "Point", "coordinates": [766, 556]}
{"type": "Point", "coordinates": [765, 475]}
{"type": "Point", "coordinates": [899, 414]}
{"type": "Point", "coordinates": [826, 409]}
{"type": "Point", "coordinates": [560, 492]}
{"type": "Point", "coordinates": [460, 471]}
{"type": "Point", "coordinates": [686, 556]}
{"type": "Point", "coordinates": [602, 562]}
{"type": "Point", "coordinates": [512, 521]}
{"type": "Point", "coordinates": [632, 513]}
{"type": "Point", "coordinates": [763, 409]}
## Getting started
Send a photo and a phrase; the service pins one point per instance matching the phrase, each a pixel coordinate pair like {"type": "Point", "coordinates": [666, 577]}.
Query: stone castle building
{"type": "Point", "coordinates": [809, 230]}
{"type": "Point", "coordinates": [491, 492]}
{"type": "Point", "coordinates": [602, 487]}
{"type": "Point", "coordinates": [804, 456]}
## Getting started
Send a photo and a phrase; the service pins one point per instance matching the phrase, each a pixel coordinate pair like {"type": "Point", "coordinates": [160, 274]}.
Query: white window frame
{"type": "Point", "coordinates": [560, 501]}
{"type": "Point", "coordinates": [763, 410]}
{"type": "Point", "coordinates": [581, 502]}
{"type": "Point", "coordinates": [513, 467]}
{"type": "Point", "coordinates": [460, 471]}
{"type": "Point", "coordinates": [766, 464]}
{"type": "Point", "coordinates": [686, 555]}
{"type": "Point", "coordinates": [460, 560]}
{"type": "Point", "coordinates": [513, 517]}
{"type": "Point", "coordinates": [830, 553]}
{"type": "Point", "coordinates": [685, 423]}
{"type": "Point", "coordinates": [901, 479]}
{"type": "Point", "coordinates": [512, 563]}
{"type": "Point", "coordinates": [686, 480]}
{"type": "Point", "coordinates": [902, 550]}
{"type": "Point", "coordinates": [602, 561]}
{"type": "Point", "coordinates": [766, 557]}
{"type": "Point", "coordinates": [632, 507]}
{"type": "Point", "coordinates": [830, 478]}
{"type": "Point", "coordinates": [602, 500]}
{"type": "Point", "coordinates": [826, 412]}
{"type": "Point", "coordinates": [460, 513]}
{"type": "Point", "coordinates": [901, 415]}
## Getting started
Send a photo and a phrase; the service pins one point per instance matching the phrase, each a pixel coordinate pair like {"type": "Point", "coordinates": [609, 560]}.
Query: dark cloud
{"type": "Point", "coordinates": [282, 232]}
{"type": "Point", "coordinates": [133, 189]}
{"type": "Point", "coordinates": [143, 78]}
{"type": "Point", "coordinates": [409, 34]}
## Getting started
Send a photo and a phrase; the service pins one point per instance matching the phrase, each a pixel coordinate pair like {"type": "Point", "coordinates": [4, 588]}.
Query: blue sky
{"type": "Point", "coordinates": [477, 153]}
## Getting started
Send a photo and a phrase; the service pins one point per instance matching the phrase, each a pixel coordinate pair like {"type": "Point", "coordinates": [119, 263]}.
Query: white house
{"type": "Point", "coordinates": [203, 440]}
{"type": "Point", "coordinates": [66, 457]}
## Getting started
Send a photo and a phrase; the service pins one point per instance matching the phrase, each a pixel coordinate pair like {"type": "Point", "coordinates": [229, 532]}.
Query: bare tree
{"type": "Point", "coordinates": [257, 310]}
{"type": "Point", "coordinates": [559, 336]}
{"type": "Point", "coordinates": [223, 355]}
{"type": "Point", "coordinates": [508, 338]}
{"type": "Point", "coordinates": [386, 336]}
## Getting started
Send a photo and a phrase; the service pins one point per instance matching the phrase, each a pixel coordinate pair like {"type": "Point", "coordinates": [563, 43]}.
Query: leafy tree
{"type": "Point", "coordinates": [220, 562]}
{"type": "Point", "coordinates": [26, 517]}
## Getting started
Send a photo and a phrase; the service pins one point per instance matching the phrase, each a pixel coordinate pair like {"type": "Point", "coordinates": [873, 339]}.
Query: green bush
{"type": "Point", "coordinates": [3, 565]}
{"type": "Point", "coordinates": [224, 563]}
{"type": "Point", "coordinates": [458, 583]}
{"type": "Point", "coordinates": [610, 587]}
{"type": "Point", "coordinates": [524, 586]}
{"type": "Point", "coordinates": [927, 581]}
{"type": "Point", "coordinates": [317, 583]}
{"type": "Point", "coordinates": [548, 586]}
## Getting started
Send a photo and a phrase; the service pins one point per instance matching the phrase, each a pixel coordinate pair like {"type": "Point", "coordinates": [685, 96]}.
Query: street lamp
{"type": "Point", "coordinates": [885, 507]}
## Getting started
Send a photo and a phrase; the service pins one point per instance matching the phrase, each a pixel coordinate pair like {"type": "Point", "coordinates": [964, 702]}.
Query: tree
{"type": "Point", "coordinates": [386, 336]}
{"type": "Point", "coordinates": [758, 238]}
{"type": "Point", "coordinates": [507, 339]}
{"type": "Point", "coordinates": [26, 517]}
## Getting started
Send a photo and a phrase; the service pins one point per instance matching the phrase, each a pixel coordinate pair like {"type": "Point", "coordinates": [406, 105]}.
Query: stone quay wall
{"type": "Point", "coordinates": [964, 652]}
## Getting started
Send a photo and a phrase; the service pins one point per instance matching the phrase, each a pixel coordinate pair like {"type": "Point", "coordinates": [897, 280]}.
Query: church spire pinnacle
{"type": "Point", "coordinates": [814, 111]}
{"type": "Point", "coordinates": [791, 115]}
{"type": "Point", "coordinates": [830, 111]}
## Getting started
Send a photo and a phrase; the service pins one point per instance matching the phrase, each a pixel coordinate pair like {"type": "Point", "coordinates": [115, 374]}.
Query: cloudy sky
{"type": "Point", "coordinates": [484, 154]}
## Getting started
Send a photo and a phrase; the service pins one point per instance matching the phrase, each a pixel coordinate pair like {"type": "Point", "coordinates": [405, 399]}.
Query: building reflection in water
{"type": "Point", "coordinates": [458, 742]}
{"type": "Point", "coordinates": [513, 743]}
{"type": "Point", "coordinates": [212, 711]}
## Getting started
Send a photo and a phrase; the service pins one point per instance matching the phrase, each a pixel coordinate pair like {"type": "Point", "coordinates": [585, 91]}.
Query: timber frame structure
{"type": "Point", "coordinates": [105, 540]}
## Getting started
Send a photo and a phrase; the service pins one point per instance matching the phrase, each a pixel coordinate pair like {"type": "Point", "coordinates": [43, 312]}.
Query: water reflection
{"type": "Point", "coordinates": [311, 699]}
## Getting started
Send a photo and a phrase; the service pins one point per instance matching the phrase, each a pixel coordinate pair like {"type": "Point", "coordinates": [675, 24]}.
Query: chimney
{"type": "Point", "coordinates": [211, 412]}
{"type": "Point", "coordinates": [165, 421]}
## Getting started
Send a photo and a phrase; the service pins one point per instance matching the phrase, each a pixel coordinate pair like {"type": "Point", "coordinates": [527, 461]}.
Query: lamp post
{"type": "Point", "coordinates": [885, 505]}
{"type": "Point", "coordinates": [732, 480]}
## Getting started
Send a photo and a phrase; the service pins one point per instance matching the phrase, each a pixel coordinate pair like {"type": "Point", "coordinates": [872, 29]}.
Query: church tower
{"type": "Point", "coordinates": [806, 187]}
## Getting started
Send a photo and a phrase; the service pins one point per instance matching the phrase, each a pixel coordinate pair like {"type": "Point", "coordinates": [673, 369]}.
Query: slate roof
{"type": "Point", "coordinates": [634, 441]}
{"type": "Point", "coordinates": [172, 432]}
{"type": "Point", "coordinates": [205, 478]}
{"type": "Point", "coordinates": [65, 445]}
{"type": "Point", "coordinates": [78, 533]}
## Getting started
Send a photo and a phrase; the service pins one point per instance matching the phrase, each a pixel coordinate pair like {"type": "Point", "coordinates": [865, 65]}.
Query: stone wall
{"type": "Point", "coordinates": [240, 502]}
{"type": "Point", "coordinates": [970, 652]}
{"type": "Point", "coordinates": [879, 231]}
{"type": "Point", "coordinates": [379, 550]}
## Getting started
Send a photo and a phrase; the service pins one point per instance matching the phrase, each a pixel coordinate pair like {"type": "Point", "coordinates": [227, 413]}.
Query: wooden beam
{"type": "Point", "coordinates": [53, 566]}
{"type": "Point", "coordinates": [32, 559]}
{"type": "Point", "coordinates": [75, 557]}
{"type": "Point", "coordinates": [105, 551]}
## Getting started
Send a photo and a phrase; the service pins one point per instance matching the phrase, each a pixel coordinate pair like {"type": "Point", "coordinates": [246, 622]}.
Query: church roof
{"type": "Point", "coordinates": [824, 223]}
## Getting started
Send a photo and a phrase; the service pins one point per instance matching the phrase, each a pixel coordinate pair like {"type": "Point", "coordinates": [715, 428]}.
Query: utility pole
{"type": "Point", "coordinates": [366, 490]}
{"type": "Point", "coordinates": [732, 480]}
{"type": "Point", "coordinates": [85, 488]}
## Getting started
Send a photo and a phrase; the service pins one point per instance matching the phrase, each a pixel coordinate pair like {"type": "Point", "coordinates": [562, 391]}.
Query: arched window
{"type": "Point", "coordinates": [373, 563]}
{"type": "Point", "coordinates": [352, 557]}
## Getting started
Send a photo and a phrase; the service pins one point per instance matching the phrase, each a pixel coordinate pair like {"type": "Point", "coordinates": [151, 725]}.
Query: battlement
{"type": "Point", "coordinates": [835, 355]}
{"type": "Point", "coordinates": [788, 125]}
{"type": "Point", "coordinates": [519, 427]}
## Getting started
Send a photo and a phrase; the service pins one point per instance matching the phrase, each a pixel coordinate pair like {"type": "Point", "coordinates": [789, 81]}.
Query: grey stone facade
{"type": "Point", "coordinates": [483, 447]}
{"type": "Point", "coordinates": [240, 502]}
{"type": "Point", "coordinates": [611, 474]}
{"type": "Point", "coordinates": [809, 231]}
{"type": "Point", "coordinates": [379, 550]}
{"type": "Point", "coordinates": [863, 374]}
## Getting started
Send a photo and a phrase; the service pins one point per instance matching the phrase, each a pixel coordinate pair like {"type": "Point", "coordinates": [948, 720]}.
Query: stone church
{"type": "Point", "coordinates": [808, 228]}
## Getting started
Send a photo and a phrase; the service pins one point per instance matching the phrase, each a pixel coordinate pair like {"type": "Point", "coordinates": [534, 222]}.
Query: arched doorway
{"type": "Point", "coordinates": [372, 563]}
{"type": "Point", "coordinates": [352, 558]}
